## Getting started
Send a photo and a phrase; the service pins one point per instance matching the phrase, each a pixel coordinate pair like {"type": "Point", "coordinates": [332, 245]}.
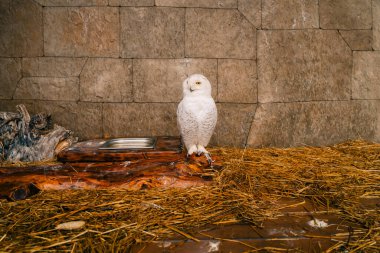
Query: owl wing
{"type": "Point", "coordinates": [187, 124]}
{"type": "Point", "coordinates": [207, 122]}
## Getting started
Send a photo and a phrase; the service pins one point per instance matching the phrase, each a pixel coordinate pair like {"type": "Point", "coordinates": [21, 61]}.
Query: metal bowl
{"type": "Point", "coordinates": [130, 143]}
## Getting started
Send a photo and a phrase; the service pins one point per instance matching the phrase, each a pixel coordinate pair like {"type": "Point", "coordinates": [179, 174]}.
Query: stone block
{"type": "Point", "coordinates": [152, 32]}
{"type": "Point", "coordinates": [85, 119]}
{"type": "Point", "coordinates": [20, 28]}
{"type": "Point", "coordinates": [81, 31]}
{"type": "Point", "coordinates": [198, 3]}
{"type": "Point", "coordinates": [48, 88]}
{"type": "Point", "coordinates": [345, 14]}
{"type": "Point", "coordinates": [358, 39]}
{"type": "Point", "coordinates": [52, 66]}
{"type": "Point", "coordinates": [10, 74]}
{"type": "Point", "coordinates": [376, 24]}
{"type": "Point", "coordinates": [10, 105]}
{"type": "Point", "coordinates": [140, 119]}
{"type": "Point", "coordinates": [160, 80]}
{"type": "Point", "coordinates": [73, 2]}
{"type": "Point", "coordinates": [131, 2]}
{"type": "Point", "coordinates": [366, 75]}
{"type": "Point", "coordinates": [365, 118]}
{"type": "Point", "coordinates": [106, 80]}
{"type": "Point", "coordinates": [312, 123]}
{"type": "Point", "coordinates": [294, 14]}
{"type": "Point", "coordinates": [232, 127]}
{"type": "Point", "coordinates": [237, 81]}
{"type": "Point", "coordinates": [303, 66]}
{"type": "Point", "coordinates": [251, 9]}
{"type": "Point", "coordinates": [219, 33]}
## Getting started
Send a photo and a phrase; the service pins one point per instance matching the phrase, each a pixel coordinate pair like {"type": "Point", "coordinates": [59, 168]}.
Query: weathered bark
{"type": "Point", "coordinates": [29, 138]}
{"type": "Point", "coordinates": [21, 182]}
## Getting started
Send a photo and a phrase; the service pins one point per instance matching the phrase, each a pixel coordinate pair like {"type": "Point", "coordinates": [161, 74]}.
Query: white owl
{"type": "Point", "coordinates": [197, 115]}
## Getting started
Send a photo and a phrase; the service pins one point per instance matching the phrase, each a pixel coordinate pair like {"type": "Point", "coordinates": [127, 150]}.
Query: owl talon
{"type": "Point", "coordinates": [208, 157]}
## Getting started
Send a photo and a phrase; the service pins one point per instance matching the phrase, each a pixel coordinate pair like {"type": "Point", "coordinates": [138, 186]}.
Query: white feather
{"type": "Point", "coordinates": [196, 113]}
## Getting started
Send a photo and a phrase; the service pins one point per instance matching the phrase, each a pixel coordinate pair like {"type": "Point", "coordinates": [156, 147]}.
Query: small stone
{"type": "Point", "coordinates": [10, 74]}
{"type": "Point", "coordinates": [315, 223]}
{"type": "Point", "coordinates": [71, 225]}
{"type": "Point", "coordinates": [219, 33]}
{"type": "Point", "coordinates": [106, 80]}
{"type": "Point", "coordinates": [48, 88]}
{"type": "Point", "coordinates": [52, 66]}
{"type": "Point", "coordinates": [81, 31]}
{"type": "Point", "coordinates": [170, 73]}
{"type": "Point", "coordinates": [358, 39]}
{"type": "Point", "coordinates": [237, 81]}
{"type": "Point", "coordinates": [139, 40]}
{"type": "Point", "coordinates": [285, 14]}
{"type": "Point", "coordinates": [345, 14]}
{"type": "Point", "coordinates": [366, 75]}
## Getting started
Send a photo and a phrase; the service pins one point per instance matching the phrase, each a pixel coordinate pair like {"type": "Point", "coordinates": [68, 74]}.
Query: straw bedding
{"type": "Point", "coordinates": [246, 190]}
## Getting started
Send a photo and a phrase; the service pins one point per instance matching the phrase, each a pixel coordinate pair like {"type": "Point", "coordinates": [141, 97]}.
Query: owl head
{"type": "Point", "coordinates": [196, 85]}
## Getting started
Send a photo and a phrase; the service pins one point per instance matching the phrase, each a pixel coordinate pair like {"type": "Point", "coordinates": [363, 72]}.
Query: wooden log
{"type": "Point", "coordinates": [30, 138]}
{"type": "Point", "coordinates": [21, 182]}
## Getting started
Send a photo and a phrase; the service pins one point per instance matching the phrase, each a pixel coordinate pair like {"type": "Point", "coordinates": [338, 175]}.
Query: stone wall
{"type": "Point", "coordinates": [283, 72]}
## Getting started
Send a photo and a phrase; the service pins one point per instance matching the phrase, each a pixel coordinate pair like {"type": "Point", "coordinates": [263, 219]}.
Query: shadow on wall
{"type": "Point", "coordinates": [282, 73]}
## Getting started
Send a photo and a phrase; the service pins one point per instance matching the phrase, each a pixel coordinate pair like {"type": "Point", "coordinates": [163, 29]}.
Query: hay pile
{"type": "Point", "coordinates": [246, 190]}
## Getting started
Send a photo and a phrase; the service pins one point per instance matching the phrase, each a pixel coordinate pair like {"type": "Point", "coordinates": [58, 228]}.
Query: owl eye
{"type": "Point", "coordinates": [198, 83]}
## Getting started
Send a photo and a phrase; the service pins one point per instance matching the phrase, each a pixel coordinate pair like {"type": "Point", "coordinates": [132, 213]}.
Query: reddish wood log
{"type": "Point", "coordinates": [88, 166]}
{"type": "Point", "coordinates": [21, 182]}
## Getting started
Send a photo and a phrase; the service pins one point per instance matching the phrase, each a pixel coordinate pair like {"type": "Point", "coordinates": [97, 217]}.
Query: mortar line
{"type": "Point", "coordinates": [244, 16]}
{"type": "Point", "coordinates": [319, 15]}
{"type": "Point", "coordinates": [120, 42]}
{"type": "Point", "coordinates": [79, 78]}
{"type": "Point", "coordinates": [250, 126]}
{"type": "Point", "coordinates": [261, 14]}
{"type": "Point", "coordinates": [345, 41]}
{"type": "Point", "coordinates": [76, 6]}
{"type": "Point", "coordinates": [217, 80]}
{"type": "Point", "coordinates": [184, 33]}
{"type": "Point", "coordinates": [257, 89]}
{"type": "Point", "coordinates": [133, 81]}
{"type": "Point", "coordinates": [17, 86]}
{"type": "Point", "coordinates": [139, 58]}
{"type": "Point", "coordinates": [231, 103]}
{"type": "Point", "coordinates": [102, 119]}
{"type": "Point", "coordinates": [372, 44]}
{"type": "Point", "coordinates": [43, 31]}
